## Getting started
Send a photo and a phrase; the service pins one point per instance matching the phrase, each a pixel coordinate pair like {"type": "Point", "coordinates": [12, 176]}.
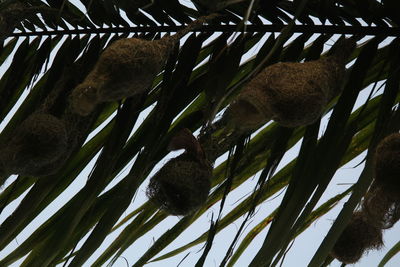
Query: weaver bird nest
{"type": "Point", "coordinates": [126, 68]}
{"type": "Point", "coordinates": [182, 185]}
{"type": "Point", "coordinates": [380, 209]}
{"type": "Point", "coordinates": [382, 201]}
{"type": "Point", "coordinates": [37, 143]}
{"type": "Point", "coordinates": [292, 94]}
{"type": "Point", "coordinates": [358, 237]}
{"type": "Point", "coordinates": [387, 165]}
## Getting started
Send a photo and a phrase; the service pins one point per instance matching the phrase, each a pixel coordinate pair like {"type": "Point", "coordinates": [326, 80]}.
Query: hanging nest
{"type": "Point", "coordinates": [358, 237]}
{"type": "Point", "coordinates": [382, 201]}
{"type": "Point", "coordinates": [126, 68]}
{"type": "Point", "coordinates": [380, 209]}
{"type": "Point", "coordinates": [182, 185]}
{"type": "Point", "coordinates": [38, 143]}
{"type": "Point", "coordinates": [387, 166]}
{"type": "Point", "coordinates": [292, 94]}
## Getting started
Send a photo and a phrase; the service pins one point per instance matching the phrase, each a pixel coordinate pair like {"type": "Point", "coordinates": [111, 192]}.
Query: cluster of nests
{"type": "Point", "coordinates": [380, 208]}
{"type": "Point", "coordinates": [41, 144]}
{"type": "Point", "coordinates": [292, 94]}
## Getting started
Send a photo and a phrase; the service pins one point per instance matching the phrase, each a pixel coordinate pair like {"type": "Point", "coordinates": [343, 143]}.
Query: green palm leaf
{"type": "Point", "coordinates": [49, 47]}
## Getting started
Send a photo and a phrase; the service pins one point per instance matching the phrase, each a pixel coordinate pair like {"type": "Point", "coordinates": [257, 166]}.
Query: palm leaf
{"type": "Point", "coordinates": [50, 46]}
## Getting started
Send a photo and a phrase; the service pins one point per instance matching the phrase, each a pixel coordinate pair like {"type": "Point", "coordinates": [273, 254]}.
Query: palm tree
{"type": "Point", "coordinates": [52, 56]}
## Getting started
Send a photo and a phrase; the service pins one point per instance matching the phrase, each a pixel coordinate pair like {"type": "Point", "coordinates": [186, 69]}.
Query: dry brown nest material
{"type": "Point", "coordinates": [181, 186]}
{"type": "Point", "coordinates": [382, 201]}
{"type": "Point", "coordinates": [249, 110]}
{"type": "Point", "coordinates": [293, 94]}
{"type": "Point", "coordinates": [381, 209]}
{"type": "Point", "coordinates": [358, 237]}
{"type": "Point", "coordinates": [126, 68]}
{"type": "Point", "coordinates": [387, 166]}
{"type": "Point", "coordinates": [36, 145]}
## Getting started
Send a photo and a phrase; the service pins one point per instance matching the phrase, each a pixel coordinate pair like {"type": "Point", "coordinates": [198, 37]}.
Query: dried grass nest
{"type": "Point", "coordinates": [181, 186]}
{"type": "Point", "coordinates": [293, 94]}
{"type": "Point", "coordinates": [387, 166]}
{"type": "Point", "coordinates": [126, 68]}
{"type": "Point", "coordinates": [381, 210]}
{"type": "Point", "coordinates": [37, 143]}
{"type": "Point", "coordinates": [358, 237]}
{"type": "Point", "coordinates": [382, 201]}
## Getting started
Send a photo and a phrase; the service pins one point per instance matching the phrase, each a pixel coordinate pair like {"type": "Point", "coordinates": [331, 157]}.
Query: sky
{"type": "Point", "coordinates": [299, 255]}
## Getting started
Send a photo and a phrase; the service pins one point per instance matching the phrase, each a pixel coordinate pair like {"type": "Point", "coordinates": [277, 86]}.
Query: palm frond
{"type": "Point", "coordinates": [49, 47]}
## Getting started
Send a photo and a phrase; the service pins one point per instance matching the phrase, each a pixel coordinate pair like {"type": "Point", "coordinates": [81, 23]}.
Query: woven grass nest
{"type": "Point", "coordinates": [387, 165]}
{"type": "Point", "coordinates": [126, 68]}
{"type": "Point", "coordinates": [382, 201]}
{"type": "Point", "coordinates": [36, 145]}
{"type": "Point", "coordinates": [358, 237]}
{"type": "Point", "coordinates": [381, 210]}
{"type": "Point", "coordinates": [182, 185]}
{"type": "Point", "coordinates": [293, 94]}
